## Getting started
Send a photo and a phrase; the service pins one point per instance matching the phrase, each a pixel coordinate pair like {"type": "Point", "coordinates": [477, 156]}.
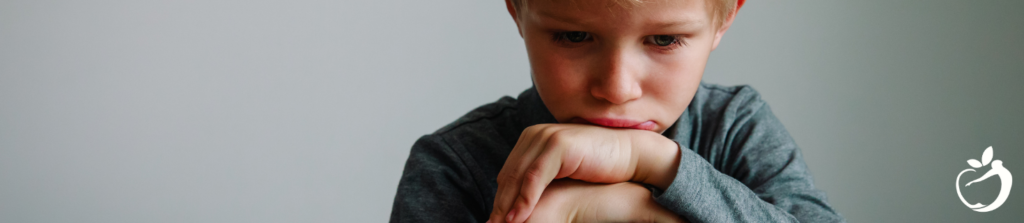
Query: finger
{"type": "Point", "coordinates": [536, 179]}
{"type": "Point", "coordinates": [558, 202]}
{"type": "Point", "coordinates": [532, 152]}
{"type": "Point", "coordinates": [505, 178]}
{"type": "Point", "coordinates": [510, 177]}
{"type": "Point", "coordinates": [498, 211]}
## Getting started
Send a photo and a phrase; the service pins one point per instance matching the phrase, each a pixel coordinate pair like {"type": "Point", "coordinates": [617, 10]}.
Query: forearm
{"type": "Point", "coordinates": [628, 202]}
{"type": "Point", "coordinates": [702, 193]}
{"type": "Point", "coordinates": [581, 201]}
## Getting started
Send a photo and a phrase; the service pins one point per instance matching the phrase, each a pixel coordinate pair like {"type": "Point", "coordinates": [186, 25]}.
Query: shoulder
{"type": "Point", "coordinates": [485, 116]}
{"type": "Point", "coordinates": [485, 121]}
{"type": "Point", "coordinates": [478, 141]}
{"type": "Point", "coordinates": [486, 127]}
{"type": "Point", "coordinates": [733, 125]}
{"type": "Point", "coordinates": [449, 170]}
{"type": "Point", "coordinates": [717, 101]}
{"type": "Point", "coordinates": [733, 120]}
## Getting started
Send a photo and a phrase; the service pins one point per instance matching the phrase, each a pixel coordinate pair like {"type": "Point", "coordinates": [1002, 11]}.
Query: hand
{"type": "Point", "coordinates": [577, 201]}
{"type": "Point", "coordinates": [584, 152]}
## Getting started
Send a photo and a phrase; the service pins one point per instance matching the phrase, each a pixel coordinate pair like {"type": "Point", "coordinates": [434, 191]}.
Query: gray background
{"type": "Point", "coordinates": [304, 111]}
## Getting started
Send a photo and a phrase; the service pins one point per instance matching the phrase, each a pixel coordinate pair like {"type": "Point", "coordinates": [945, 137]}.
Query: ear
{"type": "Point", "coordinates": [515, 16]}
{"type": "Point", "coordinates": [726, 24]}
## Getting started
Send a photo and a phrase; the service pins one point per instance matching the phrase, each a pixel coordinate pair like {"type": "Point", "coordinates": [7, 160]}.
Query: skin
{"type": "Point", "coordinates": [584, 152]}
{"type": "Point", "coordinates": [613, 93]}
{"type": "Point", "coordinates": [577, 201]}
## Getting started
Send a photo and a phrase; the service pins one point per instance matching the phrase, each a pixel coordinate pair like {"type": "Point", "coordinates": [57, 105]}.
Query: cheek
{"type": "Point", "coordinates": [558, 79]}
{"type": "Point", "coordinates": [672, 85]}
{"type": "Point", "coordinates": [684, 68]}
{"type": "Point", "coordinates": [676, 76]}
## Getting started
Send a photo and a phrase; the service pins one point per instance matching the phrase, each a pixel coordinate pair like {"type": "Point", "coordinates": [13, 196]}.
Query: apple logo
{"type": "Point", "coordinates": [997, 170]}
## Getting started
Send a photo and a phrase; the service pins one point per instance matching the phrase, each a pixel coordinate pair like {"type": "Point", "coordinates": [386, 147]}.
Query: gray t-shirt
{"type": "Point", "coordinates": [738, 163]}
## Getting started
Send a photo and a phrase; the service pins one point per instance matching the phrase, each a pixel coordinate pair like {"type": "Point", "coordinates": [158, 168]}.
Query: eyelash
{"type": "Point", "coordinates": [560, 37]}
{"type": "Point", "coordinates": [676, 42]}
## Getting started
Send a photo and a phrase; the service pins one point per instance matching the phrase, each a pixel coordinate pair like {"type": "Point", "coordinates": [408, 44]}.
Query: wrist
{"type": "Point", "coordinates": [658, 160]}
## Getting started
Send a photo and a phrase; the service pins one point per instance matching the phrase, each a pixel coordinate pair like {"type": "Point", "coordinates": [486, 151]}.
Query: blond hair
{"type": "Point", "coordinates": [719, 9]}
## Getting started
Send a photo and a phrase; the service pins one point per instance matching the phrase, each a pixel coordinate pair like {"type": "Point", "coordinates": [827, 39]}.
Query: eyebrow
{"type": "Point", "coordinates": [684, 22]}
{"type": "Point", "coordinates": [680, 25]}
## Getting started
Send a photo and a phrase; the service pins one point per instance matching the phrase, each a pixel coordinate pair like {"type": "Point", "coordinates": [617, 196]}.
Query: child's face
{"type": "Point", "coordinates": [596, 62]}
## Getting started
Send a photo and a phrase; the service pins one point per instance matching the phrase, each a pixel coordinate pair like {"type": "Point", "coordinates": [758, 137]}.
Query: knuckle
{"type": "Point", "coordinates": [535, 128]}
{"type": "Point", "coordinates": [507, 177]}
{"type": "Point", "coordinates": [551, 130]}
{"type": "Point", "coordinates": [533, 176]}
{"type": "Point", "coordinates": [502, 177]}
{"type": "Point", "coordinates": [529, 129]}
{"type": "Point", "coordinates": [533, 184]}
{"type": "Point", "coordinates": [524, 201]}
{"type": "Point", "coordinates": [557, 137]}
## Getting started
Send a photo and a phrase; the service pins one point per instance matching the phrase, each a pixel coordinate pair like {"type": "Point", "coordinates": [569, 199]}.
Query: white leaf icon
{"type": "Point", "coordinates": [986, 156]}
{"type": "Point", "coordinates": [974, 163]}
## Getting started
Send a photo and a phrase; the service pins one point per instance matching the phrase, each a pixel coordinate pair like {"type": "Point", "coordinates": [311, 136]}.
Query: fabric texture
{"type": "Point", "coordinates": [738, 163]}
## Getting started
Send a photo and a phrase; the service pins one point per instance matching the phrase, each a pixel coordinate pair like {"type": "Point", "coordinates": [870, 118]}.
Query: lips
{"type": "Point", "coordinates": [617, 123]}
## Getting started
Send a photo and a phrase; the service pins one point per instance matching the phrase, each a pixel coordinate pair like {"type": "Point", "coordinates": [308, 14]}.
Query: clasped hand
{"type": "Point", "coordinates": [593, 154]}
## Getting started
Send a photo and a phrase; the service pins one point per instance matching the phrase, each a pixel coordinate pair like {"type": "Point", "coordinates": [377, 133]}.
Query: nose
{"type": "Point", "coordinates": [616, 78]}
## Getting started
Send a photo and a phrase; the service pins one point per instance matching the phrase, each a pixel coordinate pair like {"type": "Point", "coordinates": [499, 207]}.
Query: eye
{"type": "Point", "coordinates": [663, 40]}
{"type": "Point", "coordinates": [572, 36]}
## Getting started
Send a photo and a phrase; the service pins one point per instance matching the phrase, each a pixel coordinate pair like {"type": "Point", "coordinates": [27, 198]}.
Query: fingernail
{"type": "Point", "coordinates": [511, 216]}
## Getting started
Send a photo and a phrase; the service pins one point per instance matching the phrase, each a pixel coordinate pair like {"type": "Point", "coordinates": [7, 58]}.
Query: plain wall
{"type": "Point", "coordinates": [304, 111]}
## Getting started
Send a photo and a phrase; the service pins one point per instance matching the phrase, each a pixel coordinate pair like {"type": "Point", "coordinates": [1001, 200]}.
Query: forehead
{"type": "Point", "coordinates": [612, 12]}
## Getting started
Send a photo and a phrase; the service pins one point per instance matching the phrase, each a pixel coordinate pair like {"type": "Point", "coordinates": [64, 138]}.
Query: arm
{"type": "Point", "coordinates": [762, 178]}
{"type": "Point", "coordinates": [546, 152]}
{"type": "Point", "coordinates": [764, 159]}
{"type": "Point", "coordinates": [577, 201]}
{"type": "Point", "coordinates": [436, 187]}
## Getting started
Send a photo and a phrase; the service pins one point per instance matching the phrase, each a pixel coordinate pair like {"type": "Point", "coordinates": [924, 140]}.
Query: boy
{"type": "Point", "coordinates": [618, 127]}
